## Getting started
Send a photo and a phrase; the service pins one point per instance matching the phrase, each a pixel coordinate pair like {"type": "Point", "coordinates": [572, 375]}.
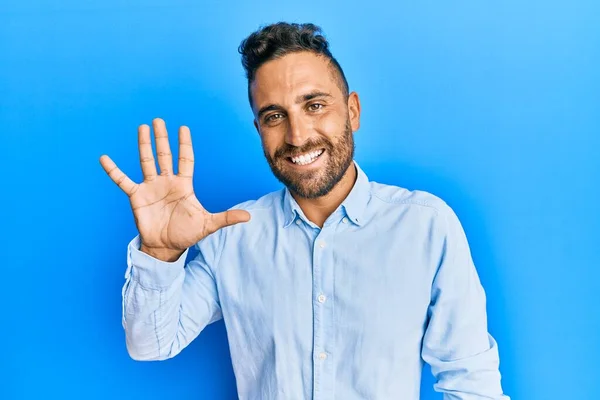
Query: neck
{"type": "Point", "coordinates": [319, 209]}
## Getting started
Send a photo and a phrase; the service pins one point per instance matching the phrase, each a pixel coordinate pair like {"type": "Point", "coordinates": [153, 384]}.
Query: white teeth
{"type": "Point", "coordinates": [307, 158]}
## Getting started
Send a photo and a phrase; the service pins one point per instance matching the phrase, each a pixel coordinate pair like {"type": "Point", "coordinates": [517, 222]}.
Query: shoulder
{"type": "Point", "coordinates": [399, 197]}
{"type": "Point", "coordinates": [425, 209]}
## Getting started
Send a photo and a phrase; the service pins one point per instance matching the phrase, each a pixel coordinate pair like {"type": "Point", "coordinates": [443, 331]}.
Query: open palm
{"type": "Point", "coordinates": [166, 211]}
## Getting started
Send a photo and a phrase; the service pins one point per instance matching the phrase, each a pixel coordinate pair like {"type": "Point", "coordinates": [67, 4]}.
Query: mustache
{"type": "Point", "coordinates": [288, 150]}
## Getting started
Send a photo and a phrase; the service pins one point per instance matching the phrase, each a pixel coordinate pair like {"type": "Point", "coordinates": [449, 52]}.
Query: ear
{"type": "Point", "coordinates": [354, 111]}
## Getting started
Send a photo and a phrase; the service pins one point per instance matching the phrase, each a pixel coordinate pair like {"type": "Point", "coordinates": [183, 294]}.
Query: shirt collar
{"type": "Point", "coordinates": [354, 204]}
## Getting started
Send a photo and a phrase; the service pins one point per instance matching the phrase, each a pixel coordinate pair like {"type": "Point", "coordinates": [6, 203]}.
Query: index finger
{"type": "Point", "coordinates": [146, 156]}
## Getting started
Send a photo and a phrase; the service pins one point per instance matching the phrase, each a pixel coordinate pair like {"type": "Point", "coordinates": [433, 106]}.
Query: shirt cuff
{"type": "Point", "coordinates": [151, 272]}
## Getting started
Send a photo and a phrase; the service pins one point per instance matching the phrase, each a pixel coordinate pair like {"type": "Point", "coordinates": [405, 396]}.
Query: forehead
{"type": "Point", "coordinates": [281, 80]}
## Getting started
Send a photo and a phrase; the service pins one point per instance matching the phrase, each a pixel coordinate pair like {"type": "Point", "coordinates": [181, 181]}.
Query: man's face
{"type": "Point", "coordinates": [305, 123]}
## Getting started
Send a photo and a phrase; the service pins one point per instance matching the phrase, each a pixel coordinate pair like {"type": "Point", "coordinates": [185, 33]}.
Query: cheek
{"type": "Point", "coordinates": [270, 142]}
{"type": "Point", "coordinates": [331, 125]}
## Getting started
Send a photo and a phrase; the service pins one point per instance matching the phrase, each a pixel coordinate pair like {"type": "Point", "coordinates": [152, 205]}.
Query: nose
{"type": "Point", "coordinates": [298, 130]}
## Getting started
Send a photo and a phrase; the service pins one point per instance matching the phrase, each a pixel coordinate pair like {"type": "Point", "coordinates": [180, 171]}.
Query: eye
{"type": "Point", "coordinates": [315, 106]}
{"type": "Point", "coordinates": [273, 117]}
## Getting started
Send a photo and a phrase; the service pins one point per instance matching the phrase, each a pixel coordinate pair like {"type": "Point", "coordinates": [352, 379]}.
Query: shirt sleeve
{"type": "Point", "coordinates": [165, 305]}
{"type": "Point", "coordinates": [462, 354]}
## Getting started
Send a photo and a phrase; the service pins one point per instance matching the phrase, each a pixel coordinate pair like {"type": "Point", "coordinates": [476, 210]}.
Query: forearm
{"type": "Point", "coordinates": [151, 319]}
{"type": "Point", "coordinates": [474, 377]}
{"type": "Point", "coordinates": [166, 304]}
{"type": "Point", "coordinates": [151, 298]}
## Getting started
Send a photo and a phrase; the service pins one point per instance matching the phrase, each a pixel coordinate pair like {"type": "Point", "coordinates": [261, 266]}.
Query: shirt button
{"type": "Point", "coordinates": [322, 356]}
{"type": "Point", "coordinates": [298, 221]}
{"type": "Point", "coordinates": [322, 244]}
{"type": "Point", "coordinates": [345, 220]}
{"type": "Point", "coordinates": [322, 298]}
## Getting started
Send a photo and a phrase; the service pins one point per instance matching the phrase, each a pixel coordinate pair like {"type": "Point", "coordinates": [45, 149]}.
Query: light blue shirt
{"type": "Point", "coordinates": [349, 311]}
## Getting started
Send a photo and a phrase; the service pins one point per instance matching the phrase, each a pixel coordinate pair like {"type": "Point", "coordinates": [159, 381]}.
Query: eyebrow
{"type": "Point", "coordinates": [300, 99]}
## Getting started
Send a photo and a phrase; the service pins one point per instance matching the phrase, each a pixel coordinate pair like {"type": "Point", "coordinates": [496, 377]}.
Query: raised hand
{"type": "Point", "coordinates": [167, 213]}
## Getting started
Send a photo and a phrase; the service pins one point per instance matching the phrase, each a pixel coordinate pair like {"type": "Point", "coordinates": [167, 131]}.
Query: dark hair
{"type": "Point", "coordinates": [276, 40]}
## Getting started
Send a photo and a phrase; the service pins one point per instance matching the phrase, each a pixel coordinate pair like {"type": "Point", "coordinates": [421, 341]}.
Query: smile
{"type": "Point", "coordinates": [307, 158]}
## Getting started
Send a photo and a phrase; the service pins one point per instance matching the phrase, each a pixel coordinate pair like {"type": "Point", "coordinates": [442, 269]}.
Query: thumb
{"type": "Point", "coordinates": [226, 218]}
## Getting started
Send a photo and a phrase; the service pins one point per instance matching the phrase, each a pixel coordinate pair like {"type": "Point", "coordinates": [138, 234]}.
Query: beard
{"type": "Point", "coordinates": [316, 182]}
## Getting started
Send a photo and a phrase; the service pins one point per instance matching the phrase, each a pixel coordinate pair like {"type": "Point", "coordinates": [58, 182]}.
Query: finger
{"type": "Point", "coordinates": [186, 153]}
{"type": "Point", "coordinates": [226, 218]}
{"type": "Point", "coordinates": [117, 176]}
{"type": "Point", "coordinates": [163, 150]}
{"type": "Point", "coordinates": [146, 154]}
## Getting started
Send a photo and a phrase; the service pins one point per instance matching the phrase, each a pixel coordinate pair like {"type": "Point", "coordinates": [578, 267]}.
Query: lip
{"type": "Point", "coordinates": [314, 164]}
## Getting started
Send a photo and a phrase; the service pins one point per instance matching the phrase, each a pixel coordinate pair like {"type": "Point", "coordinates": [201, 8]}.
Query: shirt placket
{"type": "Point", "coordinates": [323, 351]}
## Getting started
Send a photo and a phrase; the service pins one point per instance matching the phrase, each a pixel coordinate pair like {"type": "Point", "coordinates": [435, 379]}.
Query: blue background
{"type": "Point", "coordinates": [493, 106]}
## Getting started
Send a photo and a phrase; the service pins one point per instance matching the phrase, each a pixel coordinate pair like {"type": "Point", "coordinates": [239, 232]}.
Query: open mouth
{"type": "Point", "coordinates": [306, 158]}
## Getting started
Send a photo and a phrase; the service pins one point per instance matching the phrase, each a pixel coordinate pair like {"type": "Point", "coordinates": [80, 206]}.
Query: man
{"type": "Point", "coordinates": [334, 287]}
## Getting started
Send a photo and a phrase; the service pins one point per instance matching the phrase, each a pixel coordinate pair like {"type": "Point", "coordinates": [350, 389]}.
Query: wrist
{"type": "Point", "coordinates": [167, 255]}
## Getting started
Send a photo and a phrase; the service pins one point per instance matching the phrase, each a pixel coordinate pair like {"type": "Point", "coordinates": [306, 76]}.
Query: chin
{"type": "Point", "coordinates": [311, 191]}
